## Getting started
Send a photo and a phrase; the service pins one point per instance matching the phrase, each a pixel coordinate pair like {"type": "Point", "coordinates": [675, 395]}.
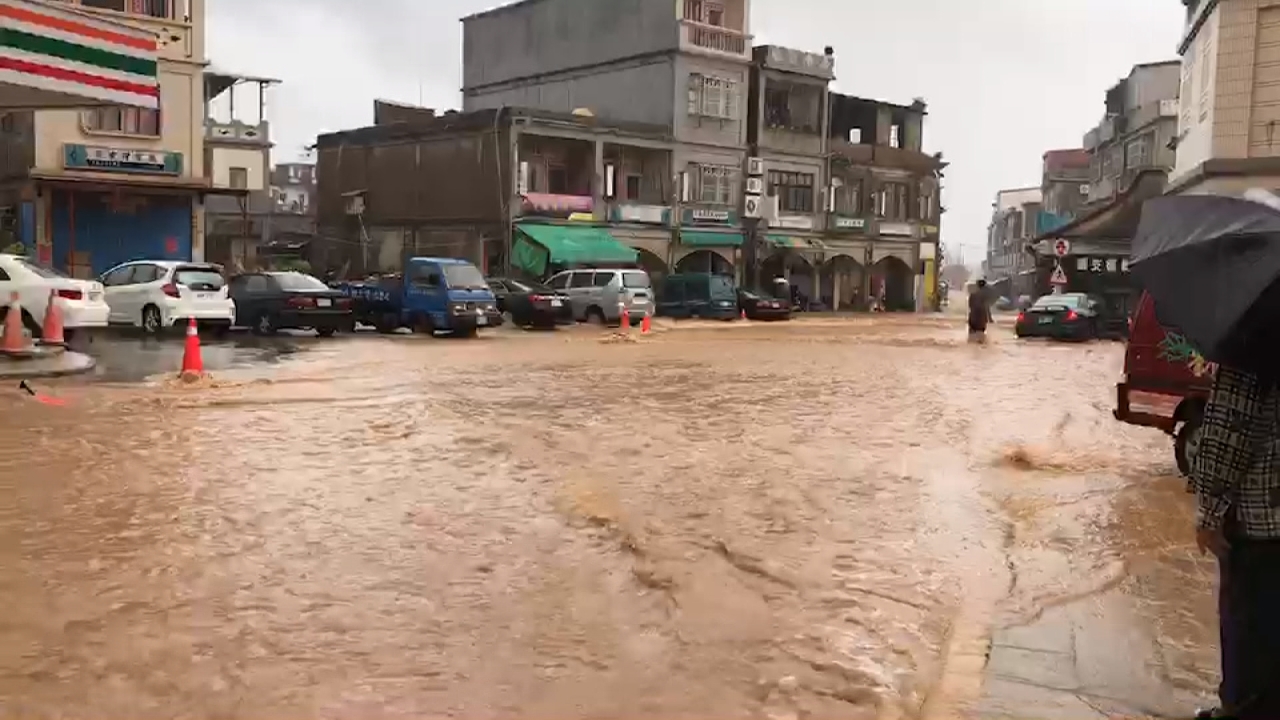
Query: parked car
{"type": "Point", "coordinates": [82, 302]}
{"type": "Point", "coordinates": [432, 295]}
{"type": "Point", "coordinates": [1166, 383]}
{"type": "Point", "coordinates": [595, 294]}
{"type": "Point", "coordinates": [531, 304]}
{"type": "Point", "coordinates": [760, 307]}
{"type": "Point", "coordinates": [1069, 316]}
{"type": "Point", "coordinates": [158, 294]}
{"type": "Point", "coordinates": [270, 301]}
{"type": "Point", "coordinates": [698, 295]}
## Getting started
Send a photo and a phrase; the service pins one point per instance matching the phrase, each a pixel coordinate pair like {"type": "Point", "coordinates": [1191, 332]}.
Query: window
{"type": "Point", "coordinates": [124, 120]}
{"type": "Point", "coordinates": [637, 279]}
{"type": "Point", "coordinates": [145, 274]}
{"type": "Point", "coordinates": [199, 278]}
{"type": "Point", "coordinates": [602, 279]}
{"type": "Point", "coordinates": [580, 280]}
{"type": "Point", "coordinates": [257, 284]}
{"type": "Point", "coordinates": [715, 184]}
{"type": "Point", "coordinates": [849, 199]}
{"type": "Point", "coordinates": [793, 190]}
{"type": "Point", "coordinates": [40, 269]}
{"type": "Point", "coordinates": [1108, 164]}
{"type": "Point", "coordinates": [557, 180]}
{"type": "Point", "coordinates": [118, 276]}
{"type": "Point", "coordinates": [633, 187]}
{"type": "Point", "coordinates": [891, 201]}
{"type": "Point", "coordinates": [463, 276]}
{"type": "Point", "coordinates": [152, 8]}
{"type": "Point", "coordinates": [559, 282]}
{"type": "Point", "coordinates": [713, 97]}
{"type": "Point", "coordinates": [927, 201]}
{"type": "Point", "coordinates": [239, 178]}
{"type": "Point", "coordinates": [298, 281]}
{"type": "Point", "coordinates": [1137, 152]}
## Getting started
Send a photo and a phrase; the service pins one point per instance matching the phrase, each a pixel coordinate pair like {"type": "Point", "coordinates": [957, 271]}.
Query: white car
{"type": "Point", "coordinates": [83, 305]}
{"type": "Point", "coordinates": [158, 294]}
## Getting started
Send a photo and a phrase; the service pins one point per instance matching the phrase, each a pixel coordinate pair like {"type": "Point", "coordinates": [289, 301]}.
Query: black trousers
{"type": "Point", "coordinates": [1249, 620]}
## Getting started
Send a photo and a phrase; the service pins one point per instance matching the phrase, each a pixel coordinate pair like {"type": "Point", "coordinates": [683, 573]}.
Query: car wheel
{"type": "Point", "coordinates": [326, 332]}
{"type": "Point", "coordinates": [152, 320]}
{"type": "Point", "coordinates": [264, 324]}
{"type": "Point", "coordinates": [1186, 444]}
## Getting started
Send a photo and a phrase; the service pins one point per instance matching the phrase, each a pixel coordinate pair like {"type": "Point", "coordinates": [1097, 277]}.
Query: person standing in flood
{"type": "Point", "coordinates": [1235, 473]}
{"type": "Point", "coordinates": [979, 313]}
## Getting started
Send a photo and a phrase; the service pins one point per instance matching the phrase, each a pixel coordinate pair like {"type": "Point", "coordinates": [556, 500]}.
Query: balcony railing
{"type": "Point", "coordinates": [713, 39]}
{"type": "Point", "coordinates": [885, 156]}
{"type": "Point", "coordinates": [160, 9]}
{"type": "Point", "coordinates": [237, 132]}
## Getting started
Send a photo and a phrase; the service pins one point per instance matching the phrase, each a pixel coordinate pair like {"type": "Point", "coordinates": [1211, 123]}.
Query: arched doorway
{"type": "Point", "coordinates": [655, 266]}
{"type": "Point", "coordinates": [705, 261]}
{"type": "Point", "coordinates": [841, 287]}
{"type": "Point", "coordinates": [894, 278]}
{"type": "Point", "coordinates": [794, 267]}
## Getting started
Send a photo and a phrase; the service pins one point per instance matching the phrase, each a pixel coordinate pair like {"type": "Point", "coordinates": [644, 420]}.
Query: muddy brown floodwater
{"type": "Point", "coordinates": [829, 518]}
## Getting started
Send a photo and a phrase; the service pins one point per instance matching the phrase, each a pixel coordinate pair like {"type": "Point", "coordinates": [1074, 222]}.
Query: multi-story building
{"type": "Point", "coordinates": [682, 68]}
{"type": "Point", "coordinates": [884, 205]}
{"type": "Point", "coordinates": [1137, 130]}
{"type": "Point", "coordinates": [119, 181]}
{"type": "Point", "coordinates": [1228, 110]}
{"type": "Point", "coordinates": [293, 188]}
{"type": "Point", "coordinates": [238, 163]}
{"type": "Point", "coordinates": [1009, 268]}
{"type": "Point", "coordinates": [1064, 187]}
{"type": "Point", "coordinates": [511, 190]}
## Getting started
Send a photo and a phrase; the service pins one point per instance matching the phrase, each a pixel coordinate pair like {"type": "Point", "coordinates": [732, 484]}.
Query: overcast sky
{"type": "Point", "coordinates": [1005, 79]}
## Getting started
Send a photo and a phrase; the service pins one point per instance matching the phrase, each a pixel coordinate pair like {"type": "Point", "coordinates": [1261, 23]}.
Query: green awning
{"type": "Point", "coordinates": [539, 245]}
{"type": "Point", "coordinates": [794, 242]}
{"type": "Point", "coordinates": [707, 238]}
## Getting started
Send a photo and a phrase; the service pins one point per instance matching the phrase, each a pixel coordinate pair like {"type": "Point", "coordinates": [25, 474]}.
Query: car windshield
{"type": "Point", "coordinates": [41, 269]}
{"type": "Point", "coordinates": [722, 287]}
{"type": "Point", "coordinates": [1048, 301]}
{"type": "Point", "coordinates": [464, 277]}
{"type": "Point", "coordinates": [198, 278]}
{"type": "Point", "coordinates": [298, 281]}
{"type": "Point", "coordinates": [635, 280]}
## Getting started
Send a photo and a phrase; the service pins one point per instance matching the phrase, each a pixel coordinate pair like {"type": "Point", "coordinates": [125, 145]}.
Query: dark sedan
{"type": "Point", "coordinates": [270, 301]}
{"type": "Point", "coordinates": [531, 304]}
{"type": "Point", "coordinates": [761, 307]}
{"type": "Point", "coordinates": [1070, 316]}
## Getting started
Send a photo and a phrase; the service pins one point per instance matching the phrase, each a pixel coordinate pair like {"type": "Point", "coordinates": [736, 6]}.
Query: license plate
{"type": "Point", "coordinates": [556, 303]}
{"type": "Point", "coordinates": [482, 320]}
{"type": "Point", "coordinates": [324, 302]}
{"type": "Point", "coordinates": [1046, 320]}
{"type": "Point", "coordinates": [206, 296]}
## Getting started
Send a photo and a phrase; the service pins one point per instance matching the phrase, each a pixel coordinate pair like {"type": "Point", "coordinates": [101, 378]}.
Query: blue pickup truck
{"type": "Point", "coordinates": [431, 295]}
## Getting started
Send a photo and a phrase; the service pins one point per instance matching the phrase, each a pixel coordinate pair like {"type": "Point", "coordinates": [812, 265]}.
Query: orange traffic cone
{"type": "Point", "coordinates": [742, 314]}
{"type": "Point", "coordinates": [646, 325]}
{"type": "Point", "coordinates": [624, 318]}
{"type": "Point", "coordinates": [15, 340]}
{"type": "Point", "coordinates": [52, 331]}
{"type": "Point", "coordinates": [192, 364]}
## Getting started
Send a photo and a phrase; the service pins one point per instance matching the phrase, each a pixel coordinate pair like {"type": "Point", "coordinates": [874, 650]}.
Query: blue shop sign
{"type": "Point", "coordinates": [119, 160]}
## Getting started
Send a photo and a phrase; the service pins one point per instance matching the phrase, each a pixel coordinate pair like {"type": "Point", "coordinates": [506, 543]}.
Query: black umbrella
{"type": "Point", "coordinates": [1211, 265]}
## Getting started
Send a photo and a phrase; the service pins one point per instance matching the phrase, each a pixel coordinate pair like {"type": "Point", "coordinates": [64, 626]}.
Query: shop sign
{"type": "Point", "coordinates": [703, 216]}
{"type": "Point", "coordinates": [848, 223]}
{"type": "Point", "coordinates": [895, 229]}
{"type": "Point", "coordinates": [119, 160]}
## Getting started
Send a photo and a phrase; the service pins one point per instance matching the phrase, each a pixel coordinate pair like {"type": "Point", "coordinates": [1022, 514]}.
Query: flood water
{"type": "Point", "coordinates": [821, 519]}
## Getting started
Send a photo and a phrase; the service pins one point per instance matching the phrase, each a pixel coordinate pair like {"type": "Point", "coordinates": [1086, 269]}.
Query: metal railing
{"type": "Point", "coordinates": [714, 38]}
{"type": "Point", "coordinates": [161, 9]}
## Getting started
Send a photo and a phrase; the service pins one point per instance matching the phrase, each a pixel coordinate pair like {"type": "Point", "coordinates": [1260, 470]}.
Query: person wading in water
{"type": "Point", "coordinates": [979, 313]}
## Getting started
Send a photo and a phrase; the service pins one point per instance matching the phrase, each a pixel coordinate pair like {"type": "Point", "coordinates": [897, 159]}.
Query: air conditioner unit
{"type": "Point", "coordinates": [752, 206]}
{"type": "Point", "coordinates": [522, 182]}
{"type": "Point", "coordinates": [755, 166]}
{"type": "Point", "coordinates": [755, 186]}
{"type": "Point", "coordinates": [1084, 188]}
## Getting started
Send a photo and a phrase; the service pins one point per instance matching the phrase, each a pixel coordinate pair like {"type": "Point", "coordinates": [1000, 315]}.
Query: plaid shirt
{"type": "Point", "coordinates": [1236, 469]}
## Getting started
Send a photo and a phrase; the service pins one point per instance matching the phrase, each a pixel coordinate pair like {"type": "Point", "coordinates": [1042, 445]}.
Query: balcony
{"type": "Point", "coordinates": [154, 9]}
{"type": "Point", "coordinates": [714, 41]}
{"type": "Point", "coordinates": [237, 133]}
{"type": "Point", "coordinates": [885, 156]}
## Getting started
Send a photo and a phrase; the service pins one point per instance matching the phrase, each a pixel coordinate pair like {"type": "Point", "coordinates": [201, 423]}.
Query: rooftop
{"type": "Point", "coordinates": [456, 122]}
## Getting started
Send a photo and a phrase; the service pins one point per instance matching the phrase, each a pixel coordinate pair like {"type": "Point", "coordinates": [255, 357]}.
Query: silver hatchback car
{"type": "Point", "coordinates": [601, 295]}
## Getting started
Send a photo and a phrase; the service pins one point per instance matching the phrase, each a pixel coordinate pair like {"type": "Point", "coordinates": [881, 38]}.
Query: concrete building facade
{"type": "Point", "coordinates": [1064, 187]}
{"type": "Point", "coordinates": [1008, 267]}
{"type": "Point", "coordinates": [1229, 108]}
{"type": "Point", "coordinates": [116, 182]}
{"type": "Point", "coordinates": [1136, 132]}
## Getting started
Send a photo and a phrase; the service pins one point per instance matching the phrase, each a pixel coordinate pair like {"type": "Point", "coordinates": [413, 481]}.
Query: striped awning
{"type": "Point", "coordinates": [52, 56]}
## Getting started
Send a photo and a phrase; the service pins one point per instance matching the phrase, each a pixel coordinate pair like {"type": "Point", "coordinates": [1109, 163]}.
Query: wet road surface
{"type": "Point", "coordinates": [829, 518]}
